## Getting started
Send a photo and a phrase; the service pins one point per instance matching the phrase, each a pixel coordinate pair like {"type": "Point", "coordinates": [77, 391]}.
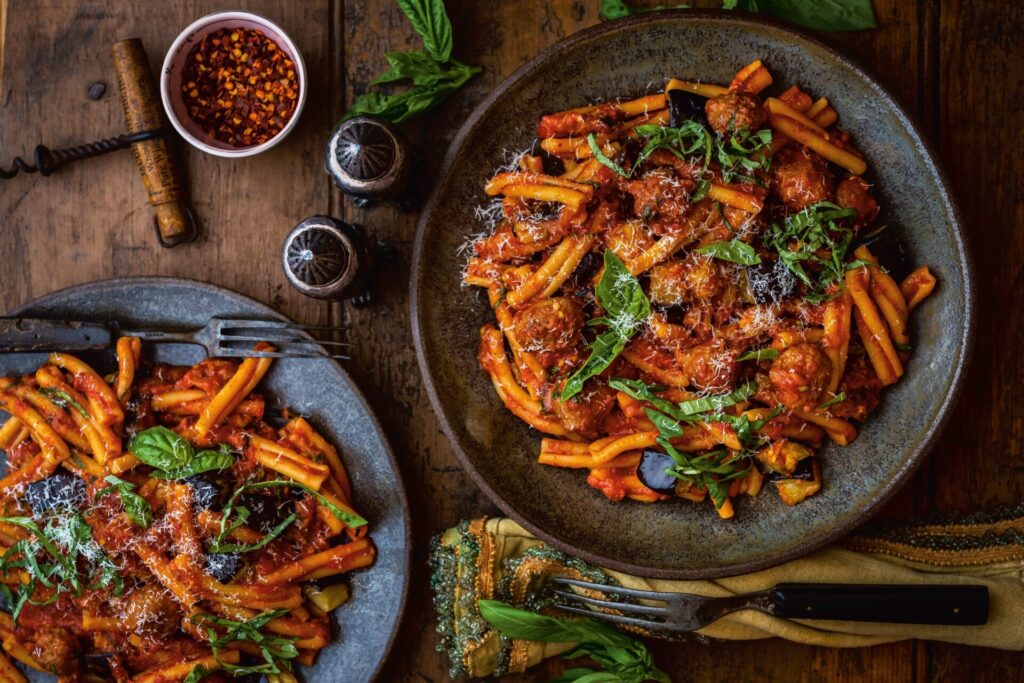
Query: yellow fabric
{"type": "Point", "coordinates": [922, 554]}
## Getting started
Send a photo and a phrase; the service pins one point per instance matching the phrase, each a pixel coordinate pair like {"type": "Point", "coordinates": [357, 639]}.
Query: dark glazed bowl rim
{"type": "Point", "coordinates": [406, 560]}
{"type": "Point", "coordinates": [914, 457]}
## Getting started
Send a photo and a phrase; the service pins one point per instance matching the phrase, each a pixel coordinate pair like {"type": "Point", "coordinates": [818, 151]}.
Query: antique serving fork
{"type": "Point", "coordinates": [221, 337]}
{"type": "Point", "coordinates": [958, 605]}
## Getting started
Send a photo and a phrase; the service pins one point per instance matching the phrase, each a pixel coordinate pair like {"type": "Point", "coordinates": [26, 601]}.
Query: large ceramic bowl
{"type": "Point", "coordinates": [678, 539]}
{"type": "Point", "coordinates": [317, 389]}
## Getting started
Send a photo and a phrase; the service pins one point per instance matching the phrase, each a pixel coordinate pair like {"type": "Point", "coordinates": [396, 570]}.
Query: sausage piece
{"type": "Point", "coordinates": [799, 376]}
{"type": "Point", "coordinates": [696, 278]}
{"type": "Point", "coordinates": [552, 324]}
{"type": "Point", "coordinates": [736, 110]}
{"type": "Point", "coordinates": [800, 178]}
{"type": "Point", "coordinates": [583, 413]}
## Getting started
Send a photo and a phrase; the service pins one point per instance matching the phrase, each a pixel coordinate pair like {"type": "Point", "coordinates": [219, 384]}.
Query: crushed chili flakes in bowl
{"type": "Point", "coordinates": [239, 86]}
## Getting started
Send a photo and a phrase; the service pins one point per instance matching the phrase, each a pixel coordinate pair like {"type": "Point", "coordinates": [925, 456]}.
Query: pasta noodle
{"type": "Point", "coordinates": [183, 531]}
{"type": "Point", "coordinates": [690, 309]}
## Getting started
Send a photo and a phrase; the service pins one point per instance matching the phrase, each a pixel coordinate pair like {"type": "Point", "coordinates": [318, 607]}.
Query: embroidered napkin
{"type": "Point", "coordinates": [498, 559]}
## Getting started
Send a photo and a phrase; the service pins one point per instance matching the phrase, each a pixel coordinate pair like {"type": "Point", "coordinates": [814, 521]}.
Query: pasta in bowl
{"type": "Point", "coordinates": [156, 527]}
{"type": "Point", "coordinates": [686, 301]}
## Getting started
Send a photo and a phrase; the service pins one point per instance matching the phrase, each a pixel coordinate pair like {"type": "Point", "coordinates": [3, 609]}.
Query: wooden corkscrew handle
{"type": "Point", "coordinates": [142, 112]}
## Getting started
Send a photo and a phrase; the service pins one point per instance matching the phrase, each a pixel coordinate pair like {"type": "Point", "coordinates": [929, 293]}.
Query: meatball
{"type": "Point", "coordinates": [709, 367]}
{"type": "Point", "coordinates": [697, 278]}
{"type": "Point", "coordinates": [56, 649]}
{"type": "Point", "coordinates": [800, 178]}
{"type": "Point", "coordinates": [583, 413]}
{"type": "Point", "coordinates": [735, 110]}
{"type": "Point", "coordinates": [149, 610]}
{"type": "Point", "coordinates": [552, 324]}
{"type": "Point", "coordinates": [852, 193]}
{"type": "Point", "coordinates": [660, 198]}
{"type": "Point", "coordinates": [799, 376]}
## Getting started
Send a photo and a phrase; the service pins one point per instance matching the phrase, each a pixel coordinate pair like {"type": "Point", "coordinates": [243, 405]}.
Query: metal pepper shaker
{"type": "Point", "coordinates": [369, 159]}
{"type": "Point", "coordinates": [327, 259]}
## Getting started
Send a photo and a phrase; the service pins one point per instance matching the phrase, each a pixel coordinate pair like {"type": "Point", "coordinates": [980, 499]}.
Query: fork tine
{"type": "Point", "coordinates": [608, 604]}
{"type": "Point", "coordinates": [613, 590]}
{"type": "Point", "coordinates": [228, 352]}
{"type": "Point", "coordinates": [616, 618]}
{"type": "Point", "coordinates": [231, 324]}
{"type": "Point", "coordinates": [233, 338]}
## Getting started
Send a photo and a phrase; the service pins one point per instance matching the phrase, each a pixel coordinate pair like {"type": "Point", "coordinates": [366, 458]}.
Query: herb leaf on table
{"type": "Point", "coordinates": [433, 73]}
{"type": "Point", "coordinates": [820, 15]}
{"type": "Point", "coordinates": [624, 659]}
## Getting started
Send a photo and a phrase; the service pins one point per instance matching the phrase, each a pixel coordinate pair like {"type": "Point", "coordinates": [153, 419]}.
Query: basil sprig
{"type": "Point", "coordinates": [801, 238]}
{"type": "Point", "coordinates": [433, 73]}
{"type": "Point", "coordinates": [834, 15]}
{"type": "Point", "coordinates": [61, 554]}
{"type": "Point", "coordinates": [173, 457]}
{"type": "Point", "coordinates": [277, 651]}
{"type": "Point", "coordinates": [713, 470]}
{"type": "Point", "coordinates": [838, 398]}
{"type": "Point", "coordinates": [136, 507]}
{"type": "Point", "coordinates": [626, 308]}
{"type": "Point", "coordinates": [732, 250]}
{"type": "Point", "coordinates": [220, 543]}
{"type": "Point", "coordinates": [623, 659]}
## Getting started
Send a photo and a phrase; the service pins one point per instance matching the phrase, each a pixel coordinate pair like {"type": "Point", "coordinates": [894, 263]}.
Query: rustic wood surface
{"type": "Point", "coordinates": [957, 64]}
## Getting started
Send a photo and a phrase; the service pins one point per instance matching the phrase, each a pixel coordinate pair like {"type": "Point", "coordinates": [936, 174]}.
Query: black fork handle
{"type": "Point", "coordinates": [955, 605]}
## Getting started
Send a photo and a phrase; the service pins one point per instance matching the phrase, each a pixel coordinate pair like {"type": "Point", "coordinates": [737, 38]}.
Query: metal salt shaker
{"type": "Point", "coordinates": [369, 159]}
{"type": "Point", "coordinates": [327, 259]}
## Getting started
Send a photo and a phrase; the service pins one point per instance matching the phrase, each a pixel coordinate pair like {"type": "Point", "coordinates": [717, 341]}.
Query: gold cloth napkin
{"type": "Point", "coordinates": [498, 559]}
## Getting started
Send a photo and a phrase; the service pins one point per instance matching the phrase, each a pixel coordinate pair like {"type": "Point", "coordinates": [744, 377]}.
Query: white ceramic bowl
{"type": "Point", "coordinates": [174, 62]}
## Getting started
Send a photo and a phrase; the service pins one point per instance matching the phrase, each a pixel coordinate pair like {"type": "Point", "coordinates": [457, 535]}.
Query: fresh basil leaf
{"type": "Point", "coordinates": [821, 15]}
{"type": "Point", "coordinates": [277, 651]}
{"type": "Point", "coordinates": [801, 238]}
{"type": "Point", "coordinates": [136, 508]}
{"type": "Point", "coordinates": [626, 306]}
{"type": "Point", "coordinates": [720, 401]}
{"type": "Point", "coordinates": [732, 250]}
{"type": "Point", "coordinates": [760, 354]}
{"type": "Point", "coordinates": [416, 100]}
{"type": "Point", "coordinates": [350, 519]}
{"type": "Point", "coordinates": [838, 398]}
{"type": "Point", "coordinates": [64, 400]}
{"type": "Point", "coordinates": [431, 22]}
{"type": "Point", "coordinates": [616, 9]}
{"type": "Point", "coordinates": [217, 545]}
{"type": "Point", "coordinates": [600, 156]}
{"type": "Point", "coordinates": [197, 674]}
{"type": "Point", "coordinates": [161, 448]}
{"type": "Point", "coordinates": [619, 654]}
{"type": "Point", "coordinates": [203, 461]}
{"type": "Point", "coordinates": [605, 349]}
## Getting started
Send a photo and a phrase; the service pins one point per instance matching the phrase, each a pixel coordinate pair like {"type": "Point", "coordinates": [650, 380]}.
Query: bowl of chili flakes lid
{"type": "Point", "coordinates": [233, 84]}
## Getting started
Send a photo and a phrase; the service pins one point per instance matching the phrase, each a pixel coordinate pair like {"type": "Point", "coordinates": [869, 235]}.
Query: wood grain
{"type": "Point", "coordinates": [955, 64]}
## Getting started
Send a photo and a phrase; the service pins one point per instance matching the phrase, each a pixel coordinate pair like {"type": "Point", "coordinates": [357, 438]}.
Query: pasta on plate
{"type": "Point", "coordinates": [686, 293]}
{"type": "Point", "coordinates": [156, 528]}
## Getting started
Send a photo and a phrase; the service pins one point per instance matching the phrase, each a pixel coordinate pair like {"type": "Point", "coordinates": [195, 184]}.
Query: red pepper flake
{"type": "Point", "coordinates": [239, 86]}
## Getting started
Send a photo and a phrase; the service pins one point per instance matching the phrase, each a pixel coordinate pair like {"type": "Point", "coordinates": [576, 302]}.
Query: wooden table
{"type": "Point", "coordinates": [956, 64]}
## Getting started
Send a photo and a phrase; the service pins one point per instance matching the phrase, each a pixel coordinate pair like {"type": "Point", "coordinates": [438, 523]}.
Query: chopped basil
{"type": "Point", "coordinates": [136, 507]}
{"type": "Point", "coordinates": [760, 354]}
{"type": "Point", "coordinates": [732, 250]}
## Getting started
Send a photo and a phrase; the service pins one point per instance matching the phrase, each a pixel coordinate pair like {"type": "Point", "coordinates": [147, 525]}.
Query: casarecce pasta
{"type": "Point", "coordinates": [686, 298]}
{"type": "Point", "coordinates": [156, 528]}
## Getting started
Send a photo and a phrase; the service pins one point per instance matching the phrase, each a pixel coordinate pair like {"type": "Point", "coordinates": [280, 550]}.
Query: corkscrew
{"type": "Point", "coordinates": [47, 160]}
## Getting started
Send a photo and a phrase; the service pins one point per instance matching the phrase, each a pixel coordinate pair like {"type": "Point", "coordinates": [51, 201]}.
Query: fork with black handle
{"type": "Point", "coordinates": [953, 605]}
{"type": "Point", "coordinates": [221, 337]}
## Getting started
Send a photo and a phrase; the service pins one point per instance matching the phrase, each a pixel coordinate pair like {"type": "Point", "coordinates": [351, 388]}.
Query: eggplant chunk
{"type": "Point", "coordinates": [205, 492]}
{"type": "Point", "coordinates": [653, 475]}
{"type": "Point", "coordinates": [684, 105]}
{"type": "Point", "coordinates": [59, 490]}
{"type": "Point", "coordinates": [793, 491]}
{"type": "Point", "coordinates": [769, 282]}
{"type": "Point", "coordinates": [222, 566]}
